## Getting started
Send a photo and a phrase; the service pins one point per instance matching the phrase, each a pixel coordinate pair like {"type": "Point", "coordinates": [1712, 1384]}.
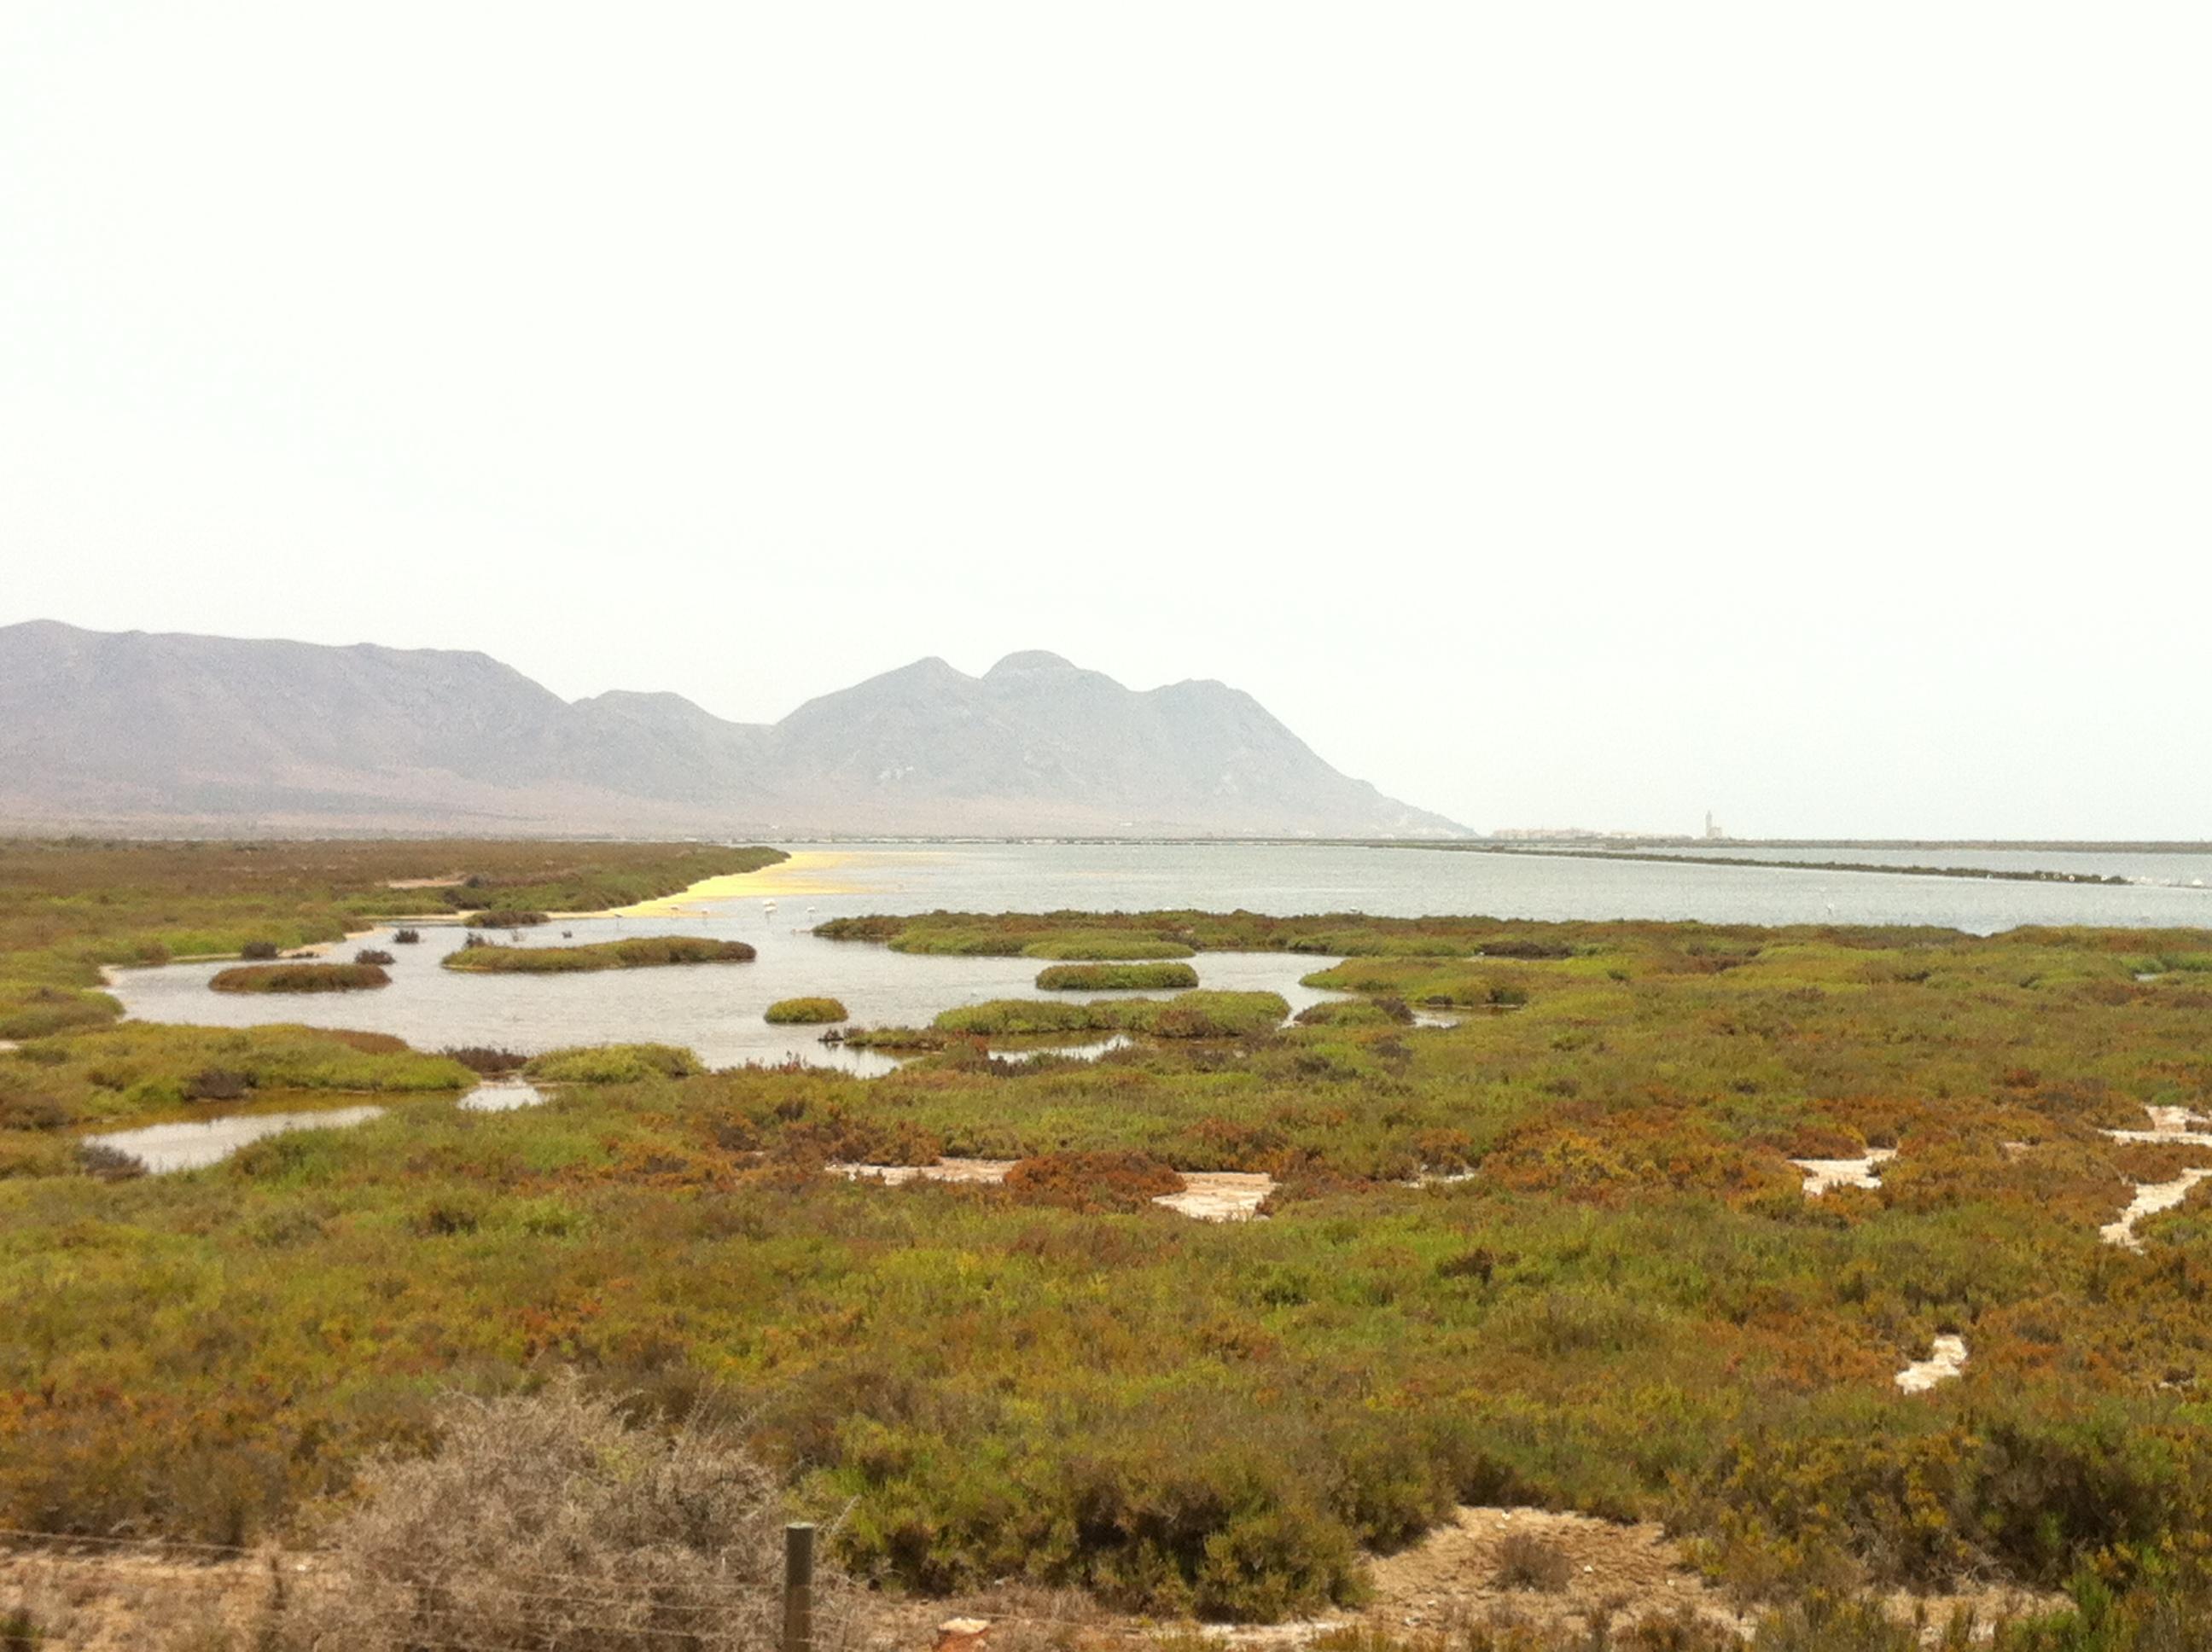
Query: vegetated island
{"type": "Point", "coordinates": [482, 958]}
{"type": "Point", "coordinates": [1115, 977]}
{"type": "Point", "coordinates": [805, 1012]}
{"type": "Point", "coordinates": [1562, 1259]}
{"type": "Point", "coordinates": [300, 978]}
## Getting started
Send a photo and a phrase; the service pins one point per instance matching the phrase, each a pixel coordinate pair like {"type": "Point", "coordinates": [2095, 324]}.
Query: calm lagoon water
{"type": "Point", "coordinates": [716, 1009]}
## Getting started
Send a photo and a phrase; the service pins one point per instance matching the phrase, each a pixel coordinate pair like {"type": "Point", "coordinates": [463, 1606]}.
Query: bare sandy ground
{"type": "Point", "coordinates": [1572, 1572]}
{"type": "Point", "coordinates": [1206, 1195]}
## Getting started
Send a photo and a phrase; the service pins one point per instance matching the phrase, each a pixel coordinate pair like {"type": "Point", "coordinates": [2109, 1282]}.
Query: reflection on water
{"type": "Point", "coordinates": [189, 1143]}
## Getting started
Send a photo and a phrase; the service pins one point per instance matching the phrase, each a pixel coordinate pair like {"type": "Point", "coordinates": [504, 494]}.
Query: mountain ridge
{"type": "Point", "coordinates": [137, 729]}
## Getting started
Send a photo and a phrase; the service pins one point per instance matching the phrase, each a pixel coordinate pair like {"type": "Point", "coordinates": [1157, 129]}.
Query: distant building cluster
{"type": "Point", "coordinates": [1714, 833]}
{"type": "Point", "coordinates": [1561, 834]}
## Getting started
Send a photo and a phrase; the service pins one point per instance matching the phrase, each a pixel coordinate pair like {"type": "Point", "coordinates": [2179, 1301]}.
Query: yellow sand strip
{"type": "Point", "coordinates": [806, 871]}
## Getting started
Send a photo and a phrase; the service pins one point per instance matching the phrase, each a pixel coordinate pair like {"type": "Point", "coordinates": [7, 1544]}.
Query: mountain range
{"type": "Point", "coordinates": [140, 731]}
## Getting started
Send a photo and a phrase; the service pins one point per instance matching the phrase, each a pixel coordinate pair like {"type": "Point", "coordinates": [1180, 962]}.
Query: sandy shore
{"type": "Point", "coordinates": [804, 872]}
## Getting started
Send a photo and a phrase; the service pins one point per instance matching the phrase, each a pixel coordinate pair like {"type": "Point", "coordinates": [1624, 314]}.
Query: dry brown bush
{"type": "Point", "coordinates": [1526, 1561]}
{"type": "Point", "coordinates": [545, 1522]}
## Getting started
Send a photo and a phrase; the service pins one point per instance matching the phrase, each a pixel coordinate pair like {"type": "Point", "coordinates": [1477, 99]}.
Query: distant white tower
{"type": "Point", "coordinates": [1713, 833]}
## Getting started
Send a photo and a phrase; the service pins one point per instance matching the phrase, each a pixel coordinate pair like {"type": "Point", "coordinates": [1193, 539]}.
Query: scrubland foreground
{"type": "Point", "coordinates": [1554, 1256]}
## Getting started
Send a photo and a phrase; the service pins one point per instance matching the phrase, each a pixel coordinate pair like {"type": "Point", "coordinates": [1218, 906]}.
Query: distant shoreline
{"type": "Point", "coordinates": [1648, 857]}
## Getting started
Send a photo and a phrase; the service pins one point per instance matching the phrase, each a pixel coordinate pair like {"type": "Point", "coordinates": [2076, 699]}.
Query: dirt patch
{"type": "Point", "coordinates": [1460, 1570]}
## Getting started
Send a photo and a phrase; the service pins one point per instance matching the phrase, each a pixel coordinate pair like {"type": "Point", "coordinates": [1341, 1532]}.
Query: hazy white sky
{"type": "Point", "coordinates": [1557, 414]}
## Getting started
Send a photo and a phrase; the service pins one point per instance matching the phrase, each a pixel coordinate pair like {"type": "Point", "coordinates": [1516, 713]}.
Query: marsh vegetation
{"type": "Point", "coordinates": [1560, 1256]}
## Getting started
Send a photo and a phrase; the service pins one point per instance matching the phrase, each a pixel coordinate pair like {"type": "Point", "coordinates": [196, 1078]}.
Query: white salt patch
{"type": "Point", "coordinates": [945, 1169]}
{"type": "Point", "coordinates": [1220, 1195]}
{"type": "Point", "coordinates": [1823, 1174]}
{"type": "Point", "coordinates": [2151, 1198]}
{"type": "Point", "coordinates": [1206, 1195]}
{"type": "Point", "coordinates": [2169, 1125]}
{"type": "Point", "coordinates": [1945, 1356]}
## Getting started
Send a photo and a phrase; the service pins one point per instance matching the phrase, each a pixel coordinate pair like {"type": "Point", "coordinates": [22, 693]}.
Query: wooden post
{"type": "Point", "coordinates": [798, 1587]}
